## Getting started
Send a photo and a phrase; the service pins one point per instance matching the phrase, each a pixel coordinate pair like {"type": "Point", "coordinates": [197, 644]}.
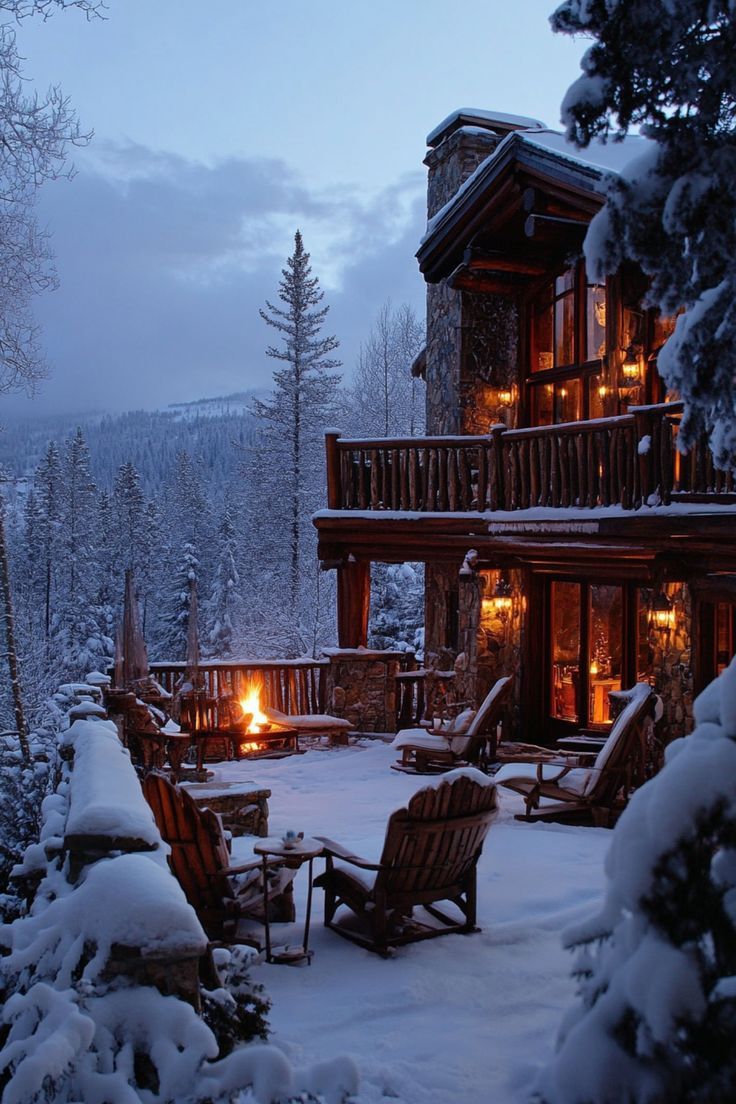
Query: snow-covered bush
{"type": "Point", "coordinates": [657, 966]}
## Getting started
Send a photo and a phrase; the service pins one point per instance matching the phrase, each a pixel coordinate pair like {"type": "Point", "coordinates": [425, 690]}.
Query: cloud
{"type": "Point", "coordinates": [164, 262]}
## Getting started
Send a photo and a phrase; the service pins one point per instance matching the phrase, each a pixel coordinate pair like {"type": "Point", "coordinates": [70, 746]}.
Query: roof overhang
{"type": "Point", "coordinates": [524, 204]}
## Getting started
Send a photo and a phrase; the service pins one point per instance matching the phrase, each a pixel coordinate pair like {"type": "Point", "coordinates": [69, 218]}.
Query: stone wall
{"type": "Point", "coordinates": [488, 362]}
{"type": "Point", "coordinates": [444, 316]}
{"type": "Point", "coordinates": [440, 641]}
{"type": "Point", "coordinates": [361, 687]}
{"type": "Point", "coordinates": [671, 665]}
{"type": "Point", "coordinates": [453, 161]}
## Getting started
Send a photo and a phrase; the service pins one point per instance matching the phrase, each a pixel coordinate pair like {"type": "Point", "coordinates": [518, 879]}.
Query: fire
{"type": "Point", "coordinates": [251, 706]}
{"type": "Point", "coordinates": [250, 748]}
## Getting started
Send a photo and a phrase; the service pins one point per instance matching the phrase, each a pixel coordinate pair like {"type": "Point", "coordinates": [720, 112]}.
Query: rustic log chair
{"type": "Point", "coordinates": [594, 790]}
{"type": "Point", "coordinates": [430, 854]}
{"type": "Point", "coordinates": [426, 751]}
{"type": "Point", "coordinates": [221, 894]}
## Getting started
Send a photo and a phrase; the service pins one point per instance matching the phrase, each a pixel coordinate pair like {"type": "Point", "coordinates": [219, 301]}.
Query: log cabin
{"type": "Point", "coordinates": [564, 537]}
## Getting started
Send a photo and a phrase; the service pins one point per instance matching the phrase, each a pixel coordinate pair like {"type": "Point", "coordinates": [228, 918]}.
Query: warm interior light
{"type": "Point", "coordinates": [505, 397]}
{"type": "Point", "coordinates": [594, 668]}
{"type": "Point", "coordinates": [602, 391]}
{"type": "Point", "coordinates": [501, 599]}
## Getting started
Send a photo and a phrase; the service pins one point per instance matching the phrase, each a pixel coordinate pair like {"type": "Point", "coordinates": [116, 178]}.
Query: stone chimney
{"type": "Point", "coordinates": [459, 144]}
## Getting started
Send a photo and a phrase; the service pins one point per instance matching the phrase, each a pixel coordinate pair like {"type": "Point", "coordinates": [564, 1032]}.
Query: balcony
{"type": "Point", "coordinates": [626, 461]}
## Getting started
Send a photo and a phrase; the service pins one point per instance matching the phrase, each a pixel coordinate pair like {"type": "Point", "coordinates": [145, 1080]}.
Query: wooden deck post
{"type": "Point", "coordinates": [353, 603]}
{"type": "Point", "coordinates": [334, 488]}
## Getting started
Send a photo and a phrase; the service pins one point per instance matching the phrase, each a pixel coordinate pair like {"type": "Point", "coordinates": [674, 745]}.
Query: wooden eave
{"type": "Point", "coordinates": [635, 545]}
{"type": "Point", "coordinates": [518, 183]}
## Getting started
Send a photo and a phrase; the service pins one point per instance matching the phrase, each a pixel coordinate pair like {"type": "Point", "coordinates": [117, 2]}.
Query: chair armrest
{"type": "Point", "coordinates": [565, 768]}
{"type": "Point", "coordinates": [243, 868]}
{"type": "Point", "coordinates": [337, 851]}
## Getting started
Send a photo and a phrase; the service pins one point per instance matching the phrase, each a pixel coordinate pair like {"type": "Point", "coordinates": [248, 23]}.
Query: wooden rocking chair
{"type": "Point", "coordinates": [430, 854]}
{"type": "Point", "coordinates": [429, 751]}
{"type": "Point", "coordinates": [227, 899]}
{"type": "Point", "coordinates": [583, 789]}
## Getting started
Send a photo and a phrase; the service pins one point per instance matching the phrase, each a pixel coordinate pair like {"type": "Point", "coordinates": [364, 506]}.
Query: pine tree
{"type": "Point", "coordinates": [671, 69]}
{"type": "Point", "coordinates": [176, 599]}
{"type": "Point", "coordinates": [297, 412]}
{"type": "Point", "coordinates": [224, 598]}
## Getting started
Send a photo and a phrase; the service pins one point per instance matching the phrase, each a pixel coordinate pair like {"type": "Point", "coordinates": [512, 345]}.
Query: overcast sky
{"type": "Point", "coordinates": [219, 129]}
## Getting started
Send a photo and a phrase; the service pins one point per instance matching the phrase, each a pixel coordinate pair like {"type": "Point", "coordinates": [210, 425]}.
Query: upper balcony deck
{"type": "Point", "coordinates": [628, 461]}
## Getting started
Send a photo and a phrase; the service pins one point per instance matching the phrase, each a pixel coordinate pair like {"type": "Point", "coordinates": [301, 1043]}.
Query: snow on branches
{"type": "Point", "coordinates": [657, 964]}
{"type": "Point", "coordinates": [669, 68]}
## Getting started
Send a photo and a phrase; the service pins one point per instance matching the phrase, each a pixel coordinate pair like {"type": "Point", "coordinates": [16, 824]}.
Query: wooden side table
{"type": "Point", "coordinates": [304, 850]}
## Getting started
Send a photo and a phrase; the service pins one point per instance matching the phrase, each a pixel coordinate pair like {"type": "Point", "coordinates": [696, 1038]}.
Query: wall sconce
{"type": "Point", "coordinates": [505, 396]}
{"type": "Point", "coordinates": [661, 614]}
{"type": "Point", "coordinates": [501, 599]}
{"type": "Point", "coordinates": [602, 391]}
{"type": "Point", "coordinates": [630, 378]}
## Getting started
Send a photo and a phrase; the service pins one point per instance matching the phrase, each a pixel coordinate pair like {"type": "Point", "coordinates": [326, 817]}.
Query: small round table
{"type": "Point", "coordinates": [303, 850]}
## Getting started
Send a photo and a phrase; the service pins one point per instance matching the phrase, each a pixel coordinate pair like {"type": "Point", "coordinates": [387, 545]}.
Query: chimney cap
{"type": "Point", "coordinates": [497, 122]}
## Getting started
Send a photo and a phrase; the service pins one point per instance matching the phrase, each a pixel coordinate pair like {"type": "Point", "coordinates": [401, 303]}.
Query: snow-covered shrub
{"type": "Point", "coordinates": [657, 966]}
{"type": "Point", "coordinates": [23, 786]}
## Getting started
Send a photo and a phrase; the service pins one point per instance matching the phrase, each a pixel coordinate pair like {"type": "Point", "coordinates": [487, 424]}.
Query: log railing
{"type": "Point", "coordinates": [295, 686]}
{"type": "Point", "coordinates": [628, 460]}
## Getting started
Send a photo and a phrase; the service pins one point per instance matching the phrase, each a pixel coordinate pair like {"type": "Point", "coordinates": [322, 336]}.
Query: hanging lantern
{"type": "Point", "coordinates": [630, 379]}
{"type": "Point", "coordinates": [662, 612]}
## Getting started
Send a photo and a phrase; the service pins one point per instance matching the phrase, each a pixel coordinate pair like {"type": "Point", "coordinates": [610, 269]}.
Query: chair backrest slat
{"type": "Point", "coordinates": [436, 840]}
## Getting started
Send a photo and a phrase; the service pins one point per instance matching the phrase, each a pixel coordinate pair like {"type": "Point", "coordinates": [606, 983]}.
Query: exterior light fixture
{"type": "Point", "coordinates": [662, 612]}
{"type": "Point", "coordinates": [630, 378]}
{"type": "Point", "coordinates": [501, 599]}
{"type": "Point", "coordinates": [505, 396]}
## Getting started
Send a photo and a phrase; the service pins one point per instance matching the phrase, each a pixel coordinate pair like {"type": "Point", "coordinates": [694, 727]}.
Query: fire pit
{"type": "Point", "coordinates": [256, 736]}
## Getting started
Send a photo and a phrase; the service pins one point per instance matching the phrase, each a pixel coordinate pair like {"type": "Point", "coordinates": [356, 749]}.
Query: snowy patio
{"type": "Point", "coordinates": [462, 1018]}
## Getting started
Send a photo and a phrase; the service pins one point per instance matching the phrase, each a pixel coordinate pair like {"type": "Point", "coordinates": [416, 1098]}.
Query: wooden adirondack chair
{"type": "Point", "coordinates": [227, 899]}
{"type": "Point", "coordinates": [426, 751]}
{"type": "Point", "coordinates": [430, 854]}
{"type": "Point", "coordinates": [582, 788]}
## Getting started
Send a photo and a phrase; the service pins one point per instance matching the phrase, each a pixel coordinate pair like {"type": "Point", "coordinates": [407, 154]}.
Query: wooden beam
{"type": "Point", "coordinates": [491, 260]}
{"type": "Point", "coordinates": [353, 603]}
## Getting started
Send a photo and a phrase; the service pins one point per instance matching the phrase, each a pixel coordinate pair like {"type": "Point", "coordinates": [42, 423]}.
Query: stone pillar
{"type": "Point", "coordinates": [468, 617]}
{"type": "Point", "coordinates": [353, 603]}
{"type": "Point", "coordinates": [440, 623]}
{"type": "Point", "coordinates": [361, 687]}
{"type": "Point", "coordinates": [671, 665]}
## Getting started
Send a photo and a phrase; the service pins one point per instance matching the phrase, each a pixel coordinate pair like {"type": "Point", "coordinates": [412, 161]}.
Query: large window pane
{"type": "Point", "coordinates": [567, 401]}
{"type": "Point", "coordinates": [565, 650]}
{"type": "Point", "coordinates": [565, 330]}
{"type": "Point", "coordinates": [543, 404]}
{"type": "Point", "coordinates": [543, 356]}
{"type": "Point", "coordinates": [606, 632]}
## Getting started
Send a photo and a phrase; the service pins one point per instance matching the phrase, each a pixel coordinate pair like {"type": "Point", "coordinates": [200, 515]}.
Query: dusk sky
{"type": "Point", "coordinates": [220, 129]}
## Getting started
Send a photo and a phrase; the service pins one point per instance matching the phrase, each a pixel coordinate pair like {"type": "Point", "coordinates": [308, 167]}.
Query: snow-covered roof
{"type": "Point", "coordinates": [486, 120]}
{"type": "Point", "coordinates": [607, 156]}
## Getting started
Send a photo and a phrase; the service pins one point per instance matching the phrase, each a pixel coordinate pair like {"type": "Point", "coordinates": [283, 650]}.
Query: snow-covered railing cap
{"type": "Point", "coordinates": [497, 122]}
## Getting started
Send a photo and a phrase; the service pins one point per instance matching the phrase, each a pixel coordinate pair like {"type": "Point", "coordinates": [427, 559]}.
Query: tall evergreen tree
{"type": "Point", "coordinates": [299, 409]}
{"type": "Point", "coordinates": [669, 68]}
{"type": "Point", "coordinates": [386, 399]}
{"type": "Point", "coordinates": [224, 598]}
{"type": "Point", "coordinates": [176, 601]}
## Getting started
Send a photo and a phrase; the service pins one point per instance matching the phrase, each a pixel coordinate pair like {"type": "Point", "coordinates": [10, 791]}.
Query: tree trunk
{"type": "Point", "coordinates": [12, 655]}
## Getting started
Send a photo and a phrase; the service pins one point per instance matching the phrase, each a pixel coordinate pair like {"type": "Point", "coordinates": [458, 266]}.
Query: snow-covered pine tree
{"type": "Point", "coordinates": [176, 599]}
{"type": "Point", "coordinates": [293, 422]}
{"type": "Point", "coordinates": [224, 598]}
{"type": "Point", "coordinates": [671, 69]}
{"type": "Point", "coordinates": [657, 966]}
{"type": "Point", "coordinates": [80, 627]}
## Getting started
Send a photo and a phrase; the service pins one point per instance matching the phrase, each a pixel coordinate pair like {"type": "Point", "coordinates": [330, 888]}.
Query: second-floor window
{"type": "Point", "coordinates": [567, 344]}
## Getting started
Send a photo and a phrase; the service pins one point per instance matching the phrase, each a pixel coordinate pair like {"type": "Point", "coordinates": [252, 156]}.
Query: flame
{"type": "Point", "coordinates": [249, 748]}
{"type": "Point", "coordinates": [251, 704]}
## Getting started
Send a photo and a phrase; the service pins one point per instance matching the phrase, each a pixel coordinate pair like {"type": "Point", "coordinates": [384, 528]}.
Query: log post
{"type": "Point", "coordinates": [353, 603]}
{"type": "Point", "coordinates": [644, 428]}
{"type": "Point", "coordinates": [334, 489]}
{"type": "Point", "coordinates": [498, 489]}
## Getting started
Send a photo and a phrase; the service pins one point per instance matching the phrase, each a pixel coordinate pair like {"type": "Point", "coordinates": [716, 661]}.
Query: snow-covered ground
{"type": "Point", "coordinates": [458, 1019]}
